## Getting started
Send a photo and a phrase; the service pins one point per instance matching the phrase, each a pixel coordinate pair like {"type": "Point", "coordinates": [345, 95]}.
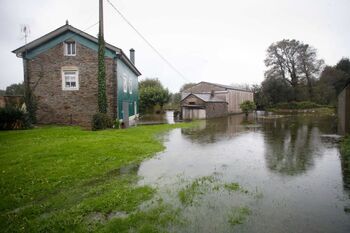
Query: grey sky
{"type": "Point", "coordinates": [221, 41]}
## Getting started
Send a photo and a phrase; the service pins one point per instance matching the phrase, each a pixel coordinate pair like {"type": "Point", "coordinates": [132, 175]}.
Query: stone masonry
{"type": "Point", "coordinates": [69, 106]}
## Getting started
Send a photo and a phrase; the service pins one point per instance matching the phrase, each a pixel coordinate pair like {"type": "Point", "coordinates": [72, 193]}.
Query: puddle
{"type": "Point", "coordinates": [278, 176]}
{"type": "Point", "coordinates": [128, 169]}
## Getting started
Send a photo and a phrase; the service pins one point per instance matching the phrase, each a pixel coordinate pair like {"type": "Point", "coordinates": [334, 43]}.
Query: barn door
{"type": "Point", "coordinates": [126, 113]}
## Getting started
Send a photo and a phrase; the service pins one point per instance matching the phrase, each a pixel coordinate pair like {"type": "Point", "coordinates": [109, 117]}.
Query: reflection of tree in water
{"type": "Point", "coordinates": [212, 130]}
{"type": "Point", "coordinates": [345, 167]}
{"type": "Point", "coordinates": [291, 144]}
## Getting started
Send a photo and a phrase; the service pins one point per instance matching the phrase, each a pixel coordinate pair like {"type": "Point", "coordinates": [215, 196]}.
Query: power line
{"type": "Point", "coordinates": [91, 26]}
{"type": "Point", "coordinates": [148, 43]}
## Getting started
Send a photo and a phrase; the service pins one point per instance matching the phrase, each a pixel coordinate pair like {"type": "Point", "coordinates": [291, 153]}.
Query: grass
{"type": "Point", "coordinates": [238, 215]}
{"type": "Point", "coordinates": [65, 179]}
{"type": "Point", "coordinates": [190, 191]}
{"type": "Point", "coordinates": [232, 186]}
{"type": "Point", "coordinates": [345, 147]}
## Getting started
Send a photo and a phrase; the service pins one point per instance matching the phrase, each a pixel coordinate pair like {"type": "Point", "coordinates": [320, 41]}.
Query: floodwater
{"type": "Point", "coordinates": [291, 178]}
{"type": "Point", "coordinates": [162, 118]}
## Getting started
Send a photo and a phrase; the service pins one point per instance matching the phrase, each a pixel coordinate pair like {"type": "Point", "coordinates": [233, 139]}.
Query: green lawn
{"type": "Point", "coordinates": [345, 147]}
{"type": "Point", "coordinates": [65, 179]}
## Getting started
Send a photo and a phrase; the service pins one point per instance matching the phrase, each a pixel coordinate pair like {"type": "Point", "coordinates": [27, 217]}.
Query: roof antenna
{"type": "Point", "coordinates": [26, 31]}
{"type": "Point", "coordinates": [67, 23]}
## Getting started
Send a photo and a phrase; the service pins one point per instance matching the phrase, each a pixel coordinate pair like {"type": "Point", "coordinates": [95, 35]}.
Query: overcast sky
{"type": "Point", "coordinates": [222, 41]}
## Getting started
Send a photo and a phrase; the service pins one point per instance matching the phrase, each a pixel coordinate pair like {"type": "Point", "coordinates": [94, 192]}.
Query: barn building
{"type": "Point", "coordinates": [208, 100]}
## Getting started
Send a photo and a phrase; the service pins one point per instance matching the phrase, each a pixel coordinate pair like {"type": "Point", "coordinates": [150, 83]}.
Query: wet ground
{"type": "Point", "coordinates": [163, 118]}
{"type": "Point", "coordinates": [268, 174]}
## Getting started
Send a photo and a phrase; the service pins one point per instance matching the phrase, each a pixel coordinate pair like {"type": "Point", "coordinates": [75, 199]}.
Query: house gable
{"type": "Point", "coordinates": [68, 35]}
{"type": "Point", "coordinates": [67, 32]}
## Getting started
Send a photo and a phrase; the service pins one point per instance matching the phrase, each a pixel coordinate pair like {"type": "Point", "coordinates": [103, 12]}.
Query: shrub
{"type": "Point", "coordinates": [116, 124]}
{"type": "Point", "coordinates": [101, 121]}
{"type": "Point", "coordinates": [13, 118]}
{"type": "Point", "coordinates": [298, 105]}
{"type": "Point", "coordinates": [247, 106]}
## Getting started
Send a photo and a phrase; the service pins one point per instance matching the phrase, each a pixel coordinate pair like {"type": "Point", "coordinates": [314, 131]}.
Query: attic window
{"type": "Point", "coordinates": [69, 48]}
{"type": "Point", "coordinates": [192, 103]}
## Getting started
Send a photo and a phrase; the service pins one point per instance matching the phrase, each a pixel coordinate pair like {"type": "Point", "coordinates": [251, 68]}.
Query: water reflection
{"type": "Point", "coordinates": [345, 167]}
{"type": "Point", "coordinates": [290, 146]}
{"type": "Point", "coordinates": [162, 118]}
{"type": "Point", "coordinates": [213, 130]}
{"type": "Point", "coordinates": [300, 176]}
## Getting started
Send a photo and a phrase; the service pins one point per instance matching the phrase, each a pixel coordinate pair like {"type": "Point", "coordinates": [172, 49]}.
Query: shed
{"type": "Point", "coordinates": [201, 106]}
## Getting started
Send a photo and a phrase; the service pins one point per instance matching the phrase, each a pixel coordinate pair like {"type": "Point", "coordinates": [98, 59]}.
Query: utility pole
{"type": "Point", "coordinates": [101, 79]}
{"type": "Point", "coordinates": [101, 18]}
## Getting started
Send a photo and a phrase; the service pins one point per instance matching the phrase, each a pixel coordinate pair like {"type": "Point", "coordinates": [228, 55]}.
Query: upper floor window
{"type": "Point", "coordinates": [70, 79]}
{"type": "Point", "coordinates": [130, 86]}
{"type": "Point", "coordinates": [70, 48]}
{"type": "Point", "coordinates": [125, 83]}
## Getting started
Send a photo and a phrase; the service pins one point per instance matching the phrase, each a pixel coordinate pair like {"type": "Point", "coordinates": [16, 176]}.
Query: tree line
{"type": "Point", "coordinates": [295, 73]}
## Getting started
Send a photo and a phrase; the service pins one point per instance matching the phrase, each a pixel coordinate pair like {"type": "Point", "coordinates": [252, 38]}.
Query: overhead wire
{"type": "Point", "coordinates": [148, 42]}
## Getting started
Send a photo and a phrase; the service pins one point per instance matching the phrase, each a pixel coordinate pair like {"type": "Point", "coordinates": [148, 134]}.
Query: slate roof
{"type": "Point", "coordinates": [49, 36]}
{"type": "Point", "coordinates": [206, 98]}
{"type": "Point", "coordinates": [227, 87]}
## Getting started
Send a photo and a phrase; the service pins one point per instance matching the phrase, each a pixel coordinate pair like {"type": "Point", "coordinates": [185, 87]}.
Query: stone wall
{"type": "Point", "coordinates": [344, 111]}
{"type": "Point", "coordinates": [57, 106]}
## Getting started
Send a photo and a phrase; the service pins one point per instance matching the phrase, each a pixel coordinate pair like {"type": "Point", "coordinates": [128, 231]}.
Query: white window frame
{"type": "Point", "coordinates": [66, 45]}
{"type": "Point", "coordinates": [130, 86]}
{"type": "Point", "coordinates": [125, 83]}
{"type": "Point", "coordinates": [65, 70]}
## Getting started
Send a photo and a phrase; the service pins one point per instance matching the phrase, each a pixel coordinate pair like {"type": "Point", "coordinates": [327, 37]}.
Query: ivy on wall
{"type": "Point", "coordinates": [102, 98]}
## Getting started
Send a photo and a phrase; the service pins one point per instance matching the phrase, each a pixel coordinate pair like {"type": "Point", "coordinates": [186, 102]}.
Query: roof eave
{"type": "Point", "coordinates": [129, 63]}
{"type": "Point", "coordinates": [57, 32]}
{"type": "Point", "coordinates": [19, 51]}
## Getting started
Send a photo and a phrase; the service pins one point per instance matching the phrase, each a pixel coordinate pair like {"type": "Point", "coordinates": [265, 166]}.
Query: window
{"type": "Point", "coordinates": [70, 79]}
{"type": "Point", "coordinates": [69, 48]}
{"type": "Point", "coordinates": [125, 83]}
{"type": "Point", "coordinates": [130, 86]}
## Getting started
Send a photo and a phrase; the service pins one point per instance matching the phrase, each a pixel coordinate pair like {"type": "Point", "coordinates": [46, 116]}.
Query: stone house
{"type": "Point", "coordinates": [207, 100]}
{"type": "Point", "coordinates": [344, 111]}
{"type": "Point", "coordinates": [61, 69]}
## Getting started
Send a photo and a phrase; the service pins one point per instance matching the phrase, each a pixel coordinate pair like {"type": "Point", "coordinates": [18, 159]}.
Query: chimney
{"type": "Point", "coordinates": [132, 56]}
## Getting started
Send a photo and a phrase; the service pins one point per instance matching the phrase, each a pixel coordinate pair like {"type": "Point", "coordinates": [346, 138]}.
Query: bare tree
{"type": "Point", "coordinates": [294, 62]}
{"type": "Point", "coordinates": [309, 66]}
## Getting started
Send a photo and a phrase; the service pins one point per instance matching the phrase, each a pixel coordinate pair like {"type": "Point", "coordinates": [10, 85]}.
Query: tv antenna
{"type": "Point", "coordinates": [26, 31]}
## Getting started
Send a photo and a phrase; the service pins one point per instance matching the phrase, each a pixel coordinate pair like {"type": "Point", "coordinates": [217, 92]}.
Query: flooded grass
{"type": "Point", "coordinates": [223, 176]}
{"type": "Point", "coordinates": [220, 176]}
{"type": "Point", "coordinates": [232, 186]}
{"type": "Point", "coordinates": [197, 187]}
{"type": "Point", "coordinates": [64, 179]}
{"type": "Point", "coordinates": [238, 215]}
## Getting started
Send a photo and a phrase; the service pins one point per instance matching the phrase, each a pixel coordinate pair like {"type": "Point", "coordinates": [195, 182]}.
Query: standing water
{"type": "Point", "coordinates": [271, 174]}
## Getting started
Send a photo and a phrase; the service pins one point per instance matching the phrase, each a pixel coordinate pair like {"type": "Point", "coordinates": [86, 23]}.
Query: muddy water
{"type": "Point", "coordinates": [291, 178]}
